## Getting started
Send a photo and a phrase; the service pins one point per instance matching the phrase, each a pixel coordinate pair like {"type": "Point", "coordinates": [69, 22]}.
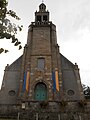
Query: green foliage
{"type": "Point", "coordinates": [8, 29]}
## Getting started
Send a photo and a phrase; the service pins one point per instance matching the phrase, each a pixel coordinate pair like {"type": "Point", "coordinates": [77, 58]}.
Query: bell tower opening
{"type": "Point", "coordinates": [44, 17]}
{"type": "Point", "coordinates": [38, 18]}
{"type": "Point", "coordinates": [40, 92]}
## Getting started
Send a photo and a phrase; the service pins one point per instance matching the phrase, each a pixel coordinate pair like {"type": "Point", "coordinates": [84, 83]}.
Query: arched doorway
{"type": "Point", "coordinates": [40, 92]}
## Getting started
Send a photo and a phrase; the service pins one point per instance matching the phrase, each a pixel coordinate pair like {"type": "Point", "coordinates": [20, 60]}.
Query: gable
{"type": "Point", "coordinates": [65, 63]}
{"type": "Point", "coordinates": [16, 65]}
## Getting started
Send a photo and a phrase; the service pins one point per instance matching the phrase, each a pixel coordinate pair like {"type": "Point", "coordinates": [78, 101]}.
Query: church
{"type": "Point", "coordinates": [42, 84]}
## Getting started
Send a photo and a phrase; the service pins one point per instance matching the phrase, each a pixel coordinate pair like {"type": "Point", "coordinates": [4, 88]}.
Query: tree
{"type": "Point", "coordinates": [86, 90]}
{"type": "Point", "coordinates": [8, 29]}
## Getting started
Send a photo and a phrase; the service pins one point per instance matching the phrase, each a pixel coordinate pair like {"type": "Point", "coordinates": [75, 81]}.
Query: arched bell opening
{"type": "Point", "coordinates": [40, 92]}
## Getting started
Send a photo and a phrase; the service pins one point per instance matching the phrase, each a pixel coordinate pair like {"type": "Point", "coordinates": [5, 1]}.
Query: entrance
{"type": "Point", "coordinates": [40, 92]}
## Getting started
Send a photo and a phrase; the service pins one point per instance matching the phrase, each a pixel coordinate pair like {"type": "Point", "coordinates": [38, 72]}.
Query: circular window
{"type": "Point", "coordinates": [12, 92]}
{"type": "Point", "coordinates": [70, 92]}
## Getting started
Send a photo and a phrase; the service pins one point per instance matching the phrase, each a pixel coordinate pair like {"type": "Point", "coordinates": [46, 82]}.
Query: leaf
{"type": "Point", "coordinates": [16, 44]}
{"type": "Point", "coordinates": [19, 43]}
{"type": "Point", "coordinates": [20, 47]}
{"type": "Point", "coordinates": [6, 51]}
{"type": "Point", "coordinates": [14, 39]}
{"type": "Point", "coordinates": [20, 28]}
{"type": "Point", "coordinates": [1, 50]}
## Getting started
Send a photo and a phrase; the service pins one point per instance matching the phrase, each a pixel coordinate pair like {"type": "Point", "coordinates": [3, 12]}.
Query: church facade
{"type": "Point", "coordinates": [42, 84]}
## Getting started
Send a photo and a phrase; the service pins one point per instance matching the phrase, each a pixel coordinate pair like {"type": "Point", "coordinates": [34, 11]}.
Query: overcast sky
{"type": "Point", "coordinates": [72, 20]}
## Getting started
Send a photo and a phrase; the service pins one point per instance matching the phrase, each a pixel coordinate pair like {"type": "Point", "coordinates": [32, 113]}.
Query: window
{"type": "Point", "coordinates": [12, 93]}
{"type": "Point", "coordinates": [71, 92]}
{"type": "Point", "coordinates": [44, 17]}
{"type": "Point", "coordinates": [39, 18]}
{"type": "Point", "coordinates": [41, 63]}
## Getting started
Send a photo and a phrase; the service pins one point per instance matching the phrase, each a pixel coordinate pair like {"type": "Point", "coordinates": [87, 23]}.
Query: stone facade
{"type": "Point", "coordinates": [42, 83]}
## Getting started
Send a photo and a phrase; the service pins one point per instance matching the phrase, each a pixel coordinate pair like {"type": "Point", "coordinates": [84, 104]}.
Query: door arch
{"type": "Point", "coordinates": [40, 92]}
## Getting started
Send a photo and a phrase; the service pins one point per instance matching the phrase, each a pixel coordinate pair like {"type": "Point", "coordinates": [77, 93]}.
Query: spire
{"type": "Point", "coordinates": [42, 7]}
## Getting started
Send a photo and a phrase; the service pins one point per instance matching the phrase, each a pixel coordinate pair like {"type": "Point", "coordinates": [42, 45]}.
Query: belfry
{"type": "Point", "coordinates": [42, 84]}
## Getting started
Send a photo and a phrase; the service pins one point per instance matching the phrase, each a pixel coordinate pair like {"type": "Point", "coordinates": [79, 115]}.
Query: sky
{"type": "Point", "coordinates": [72, 20]}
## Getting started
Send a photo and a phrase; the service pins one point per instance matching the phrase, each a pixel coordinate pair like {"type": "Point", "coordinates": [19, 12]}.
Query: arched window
{"type": "Point", "coordinates": [45, 18]}
{"type": "Point", "coordinates": [40, 92]}
{"type": "Point", "coordinates": [38, 18]}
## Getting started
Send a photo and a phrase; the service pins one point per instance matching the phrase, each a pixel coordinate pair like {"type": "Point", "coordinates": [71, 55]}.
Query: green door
{"type": "Point", "coordinates": [40, 92]}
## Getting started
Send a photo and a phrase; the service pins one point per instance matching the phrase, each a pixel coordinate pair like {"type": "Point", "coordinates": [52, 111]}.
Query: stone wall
{"type": "Point", "coordinates": [64, 110]}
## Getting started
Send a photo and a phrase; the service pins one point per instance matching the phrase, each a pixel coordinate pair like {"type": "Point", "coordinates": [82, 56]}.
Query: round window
{"type": "Point", "coordinates": [12, 92]}
{"type": "Point", "coordinates": [70, 92]}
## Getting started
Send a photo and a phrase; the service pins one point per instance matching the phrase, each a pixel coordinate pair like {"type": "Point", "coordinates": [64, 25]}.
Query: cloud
{"type": "Point", "coordinates": [78, 51]}
{"type": "Point", "coordinates": [83, 16]}
{"type": "Point", "coordinates": [72, 16]}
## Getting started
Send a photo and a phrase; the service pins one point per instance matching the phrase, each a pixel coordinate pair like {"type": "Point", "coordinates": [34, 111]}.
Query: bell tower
{"type": "Point", "coordinates": [42, 16]}
{"type": "Point", "coordinates": [40, 75]}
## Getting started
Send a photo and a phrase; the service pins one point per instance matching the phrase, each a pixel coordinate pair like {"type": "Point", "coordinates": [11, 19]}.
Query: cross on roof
{"type": "Point", "coordinates": [42, 1]}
